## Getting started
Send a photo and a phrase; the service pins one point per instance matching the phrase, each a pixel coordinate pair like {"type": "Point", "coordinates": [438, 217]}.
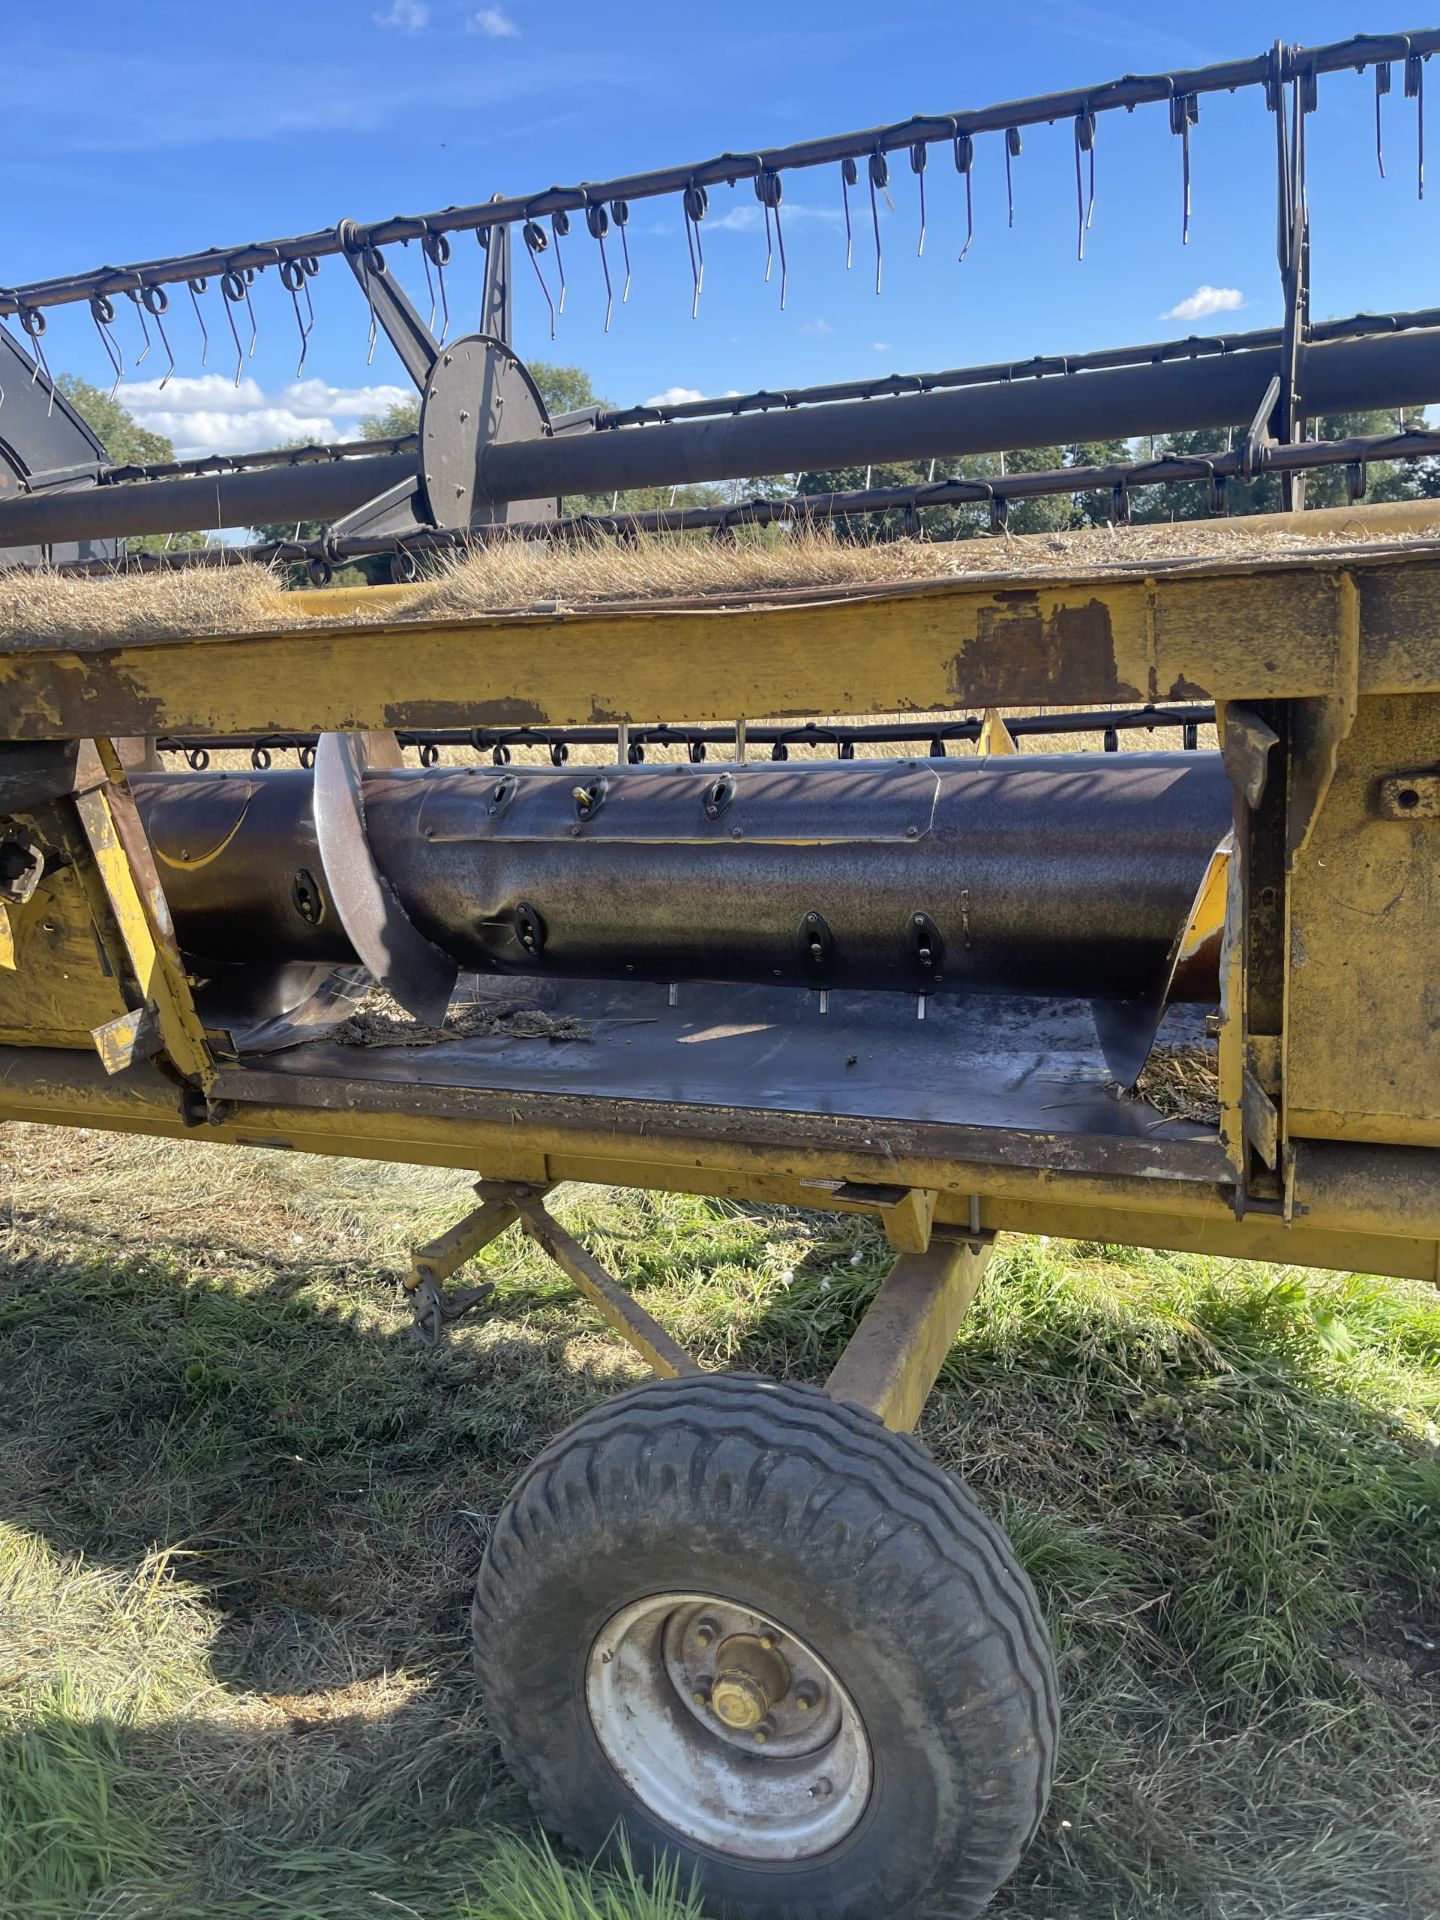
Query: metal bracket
{"type": "Point", "coordinates": [132, 888]}
{"type": "Point", "coordinates": [1319, 726]}
{"type": "Point", "coordinates": [894, 1358]}
{"type": "Point", "coordinates": [906, 1214]}
{"type": "Point", "coordinates": [623, 1313]}
{"type": "Point", "coordinates": [1409, 796]}
{"type": "Point", "coordinates": [433, 1264]}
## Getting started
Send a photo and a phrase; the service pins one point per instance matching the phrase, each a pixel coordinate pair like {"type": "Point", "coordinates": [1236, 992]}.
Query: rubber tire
{"type": "Point", "coordinates": [814, 1515]}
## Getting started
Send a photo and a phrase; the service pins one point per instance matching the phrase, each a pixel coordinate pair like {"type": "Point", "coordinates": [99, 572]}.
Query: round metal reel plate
{"type": "Point", "coordinates": [479, 395]}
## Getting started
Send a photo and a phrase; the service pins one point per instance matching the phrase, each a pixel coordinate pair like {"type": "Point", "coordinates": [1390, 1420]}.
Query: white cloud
{"type": "Point", "coordinates": [881, 346]}
{"type": "Point", "coordinates": [816, 326]}
{"type": "Point", "coordinates": [749, 215]}
{"type": "Point", "coordinates": [494, 23]}
{"type": "Point", "coordinates": [410, 16]}
{"type": "Point", "coordinates": [210, 414]}
{"type": "Point", "coordinates": [678, 396]}
{"type": "Point", "coordinates": [674, 397]}
{"type": "Point", "coordinates": [1206, 299]}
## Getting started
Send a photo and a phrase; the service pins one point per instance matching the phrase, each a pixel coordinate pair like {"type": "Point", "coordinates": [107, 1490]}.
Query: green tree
{"type": "Point", "coordinates": [127, 444]}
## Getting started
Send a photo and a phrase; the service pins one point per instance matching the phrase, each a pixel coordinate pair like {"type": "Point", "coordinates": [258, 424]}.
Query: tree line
{"type": "Point", "coordinates": [567, 389]}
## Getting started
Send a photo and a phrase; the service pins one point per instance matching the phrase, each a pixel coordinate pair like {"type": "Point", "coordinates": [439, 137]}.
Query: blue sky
{"type": "Point", "coordinates": [140, 130]}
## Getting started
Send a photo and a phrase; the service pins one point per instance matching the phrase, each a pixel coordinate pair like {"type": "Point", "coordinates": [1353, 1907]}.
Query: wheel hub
{"type": "Point", "coordinates": [731, 1729]}
{"type": "Point", "coordinates": [750, 1677]}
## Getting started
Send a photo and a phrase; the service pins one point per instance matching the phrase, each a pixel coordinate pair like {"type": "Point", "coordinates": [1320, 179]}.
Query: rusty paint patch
{"type": "Point", "coordinates": [1020, 656]}
{"type": "Point", "coordinates": [1183, 689]}
{"type": "Point", "coordinates": [509, 711]}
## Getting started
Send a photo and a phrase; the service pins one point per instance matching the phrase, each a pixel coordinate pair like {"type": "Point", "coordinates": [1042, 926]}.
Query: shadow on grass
{"type": "Point", "coordinates": [257, 1511]}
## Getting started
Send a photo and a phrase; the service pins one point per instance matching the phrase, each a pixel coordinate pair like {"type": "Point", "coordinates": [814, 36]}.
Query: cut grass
{"type": "Point", "coordinates": [242, 1511]}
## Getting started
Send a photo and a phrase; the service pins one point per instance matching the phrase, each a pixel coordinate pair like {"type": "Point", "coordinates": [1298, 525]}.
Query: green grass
{"type": "Point", "coordinates": [241, 1510]}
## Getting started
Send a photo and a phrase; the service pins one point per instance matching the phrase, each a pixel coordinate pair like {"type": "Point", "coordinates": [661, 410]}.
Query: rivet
{"type": "Point", "coordinates": [912, 833]}
{"type": "Point", "coordinates": [734, 833]}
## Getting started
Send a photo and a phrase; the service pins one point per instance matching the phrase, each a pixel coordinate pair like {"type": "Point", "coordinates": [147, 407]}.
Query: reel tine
{"type": "Point", "coordinates": [102, 312]}
{"type": "Point", "coordinates": [1184, 112]}
{"type": "Point", "coordinates": [247, 277]}
{"type": "Point", "coordinates": [878, 173]}
{"type": "Point", "coordinates": [436, 251]}
{"type": "Point", "coordinates": [620, 214]}
{"type": "Point", "coordinates": [769, 191]}
{"type": "Point", "coordinates": [559, 227]}
{"type": "Point", "coordinates": [1382, 87]}
{"type": "Point", "coordinates": [849, 175]}
{"type": "Point", "coordinates": [965, 164]}
{"type": "Point", "coordinates": [429, 286]}
{"type": "Point", "coordinates": [536, 241]}
{"type": "Point", "coordinates": [1084, 143]}
{"type": "Point", "coordinates": [292, 278]}
{"type": "Point", "coordinates": [919, 159]}
{"type": "Point", "coordinates": [1415, 90]}
{"type": "Point", "coordinates": [156, 302]}
{"type": "Point", "coordinates": [1012, 152]}
{"type": "Point", "coordinates": [597, 222]}
{"type": "Point", "coordinates": [197, 286]}
{"type": "Point", "coordinates": [695, 201]}
{"type": "Point", "coordinates": [33, 323]}
{"type": "Point", "coordinates": [132, 294]}
{"type": "Point", "coordinates": [232, 286]}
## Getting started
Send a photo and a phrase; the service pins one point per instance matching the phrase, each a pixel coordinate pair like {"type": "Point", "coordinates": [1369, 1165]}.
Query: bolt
{"type": "Point", "coordinates": [761, 1736]}
{"type": "Point", "coordinates": [464, 413]}
{"type": "Point", "coordinates": [806, 1696]}
{"type": "Point", "coordinates": [734, 833]}
{"type": "Point", "coordinates": [767, 1640]}
{"type": "Point", "coordinates": [912, 833]}
{"type": "Point", "coordinates": [700, 1697]}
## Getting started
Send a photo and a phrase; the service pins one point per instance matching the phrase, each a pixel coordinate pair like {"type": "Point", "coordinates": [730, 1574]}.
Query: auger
{"type": "Point", "coordinates": [732, 1620]}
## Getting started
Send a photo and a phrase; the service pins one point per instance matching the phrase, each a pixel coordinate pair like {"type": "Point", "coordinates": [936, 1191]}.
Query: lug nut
{"type": "Point", "coordinates": [761, 1736]}
{"type": "Point", "coordinates": [700, 1697]}
{"type": "Point", "coordinates": [767, 1640]}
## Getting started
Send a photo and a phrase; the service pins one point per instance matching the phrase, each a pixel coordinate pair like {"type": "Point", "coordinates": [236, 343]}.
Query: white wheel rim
{"type": "Point", "coordinates": [787, 1786]}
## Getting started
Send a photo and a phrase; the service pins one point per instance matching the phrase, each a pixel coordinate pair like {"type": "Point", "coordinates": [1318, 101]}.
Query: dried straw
{"type": "Point", "coordinates": [47, 608]}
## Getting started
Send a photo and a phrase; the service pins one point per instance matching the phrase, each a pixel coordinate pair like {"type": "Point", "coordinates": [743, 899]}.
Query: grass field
{"type": "Point", "coordinates": [242, 1511]}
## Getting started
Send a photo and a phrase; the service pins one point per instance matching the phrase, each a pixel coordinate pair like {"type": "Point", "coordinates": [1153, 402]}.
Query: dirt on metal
{"type": "Point", "coordinates": [381, 1022]}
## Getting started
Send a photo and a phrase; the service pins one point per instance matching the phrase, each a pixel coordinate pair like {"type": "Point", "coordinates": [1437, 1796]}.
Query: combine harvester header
{"type": "Point", "coordinates": [750, 1623]}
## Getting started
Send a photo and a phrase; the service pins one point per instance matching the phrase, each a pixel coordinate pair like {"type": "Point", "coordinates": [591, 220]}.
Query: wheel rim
{"type": "Point", "coordinates": [728, 1727]}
